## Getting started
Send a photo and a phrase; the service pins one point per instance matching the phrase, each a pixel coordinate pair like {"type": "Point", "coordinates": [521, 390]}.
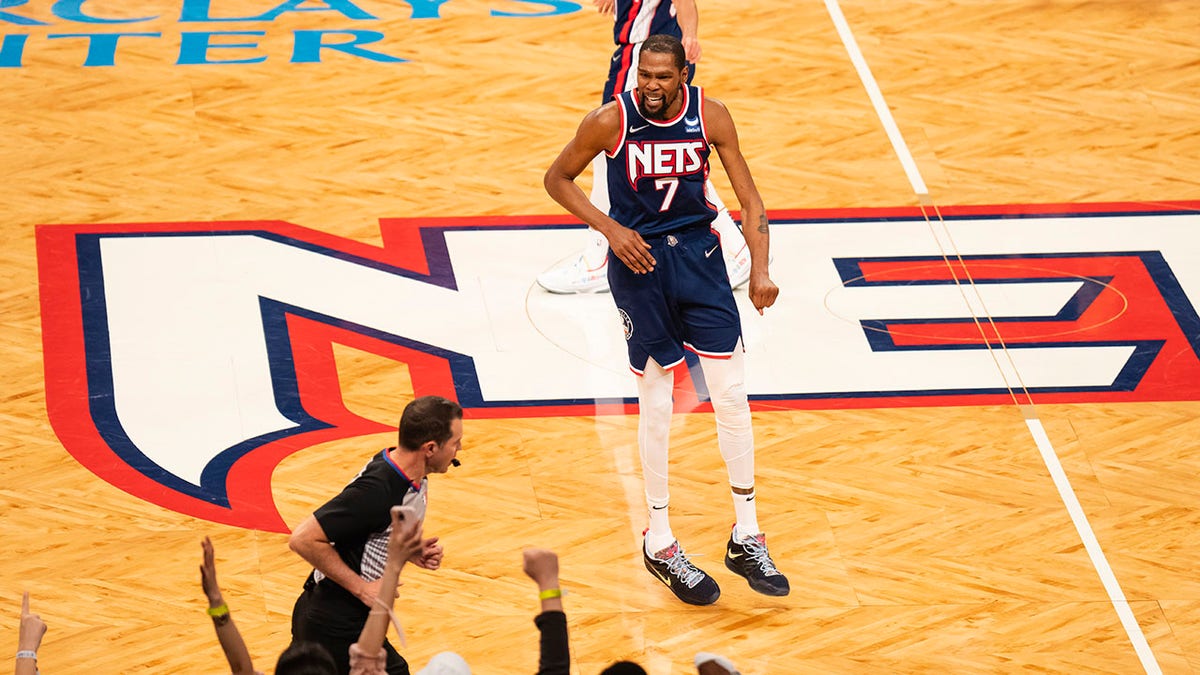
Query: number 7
{"type": "Point", "coordinates": [671, 184]}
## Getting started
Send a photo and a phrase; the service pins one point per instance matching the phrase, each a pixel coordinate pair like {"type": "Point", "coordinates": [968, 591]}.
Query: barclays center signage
{"type": "Point", "coordinates": [223, 32]}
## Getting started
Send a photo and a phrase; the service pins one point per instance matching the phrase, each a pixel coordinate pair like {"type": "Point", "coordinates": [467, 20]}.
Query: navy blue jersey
{"type": "Point", "coordinates": [657, 170]}
{"type": "Point", "coordinates": [637, 20]}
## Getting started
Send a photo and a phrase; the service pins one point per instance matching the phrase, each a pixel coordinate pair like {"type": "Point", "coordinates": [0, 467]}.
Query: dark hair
{"type": "Point", "coordinates": [305, 658]}
{"type": "Point", "coordinates": [624, 668]}
{"type": "Point", "coordinates": [665, 44]}
{"type": "Point", "coordinates": [427, 419]}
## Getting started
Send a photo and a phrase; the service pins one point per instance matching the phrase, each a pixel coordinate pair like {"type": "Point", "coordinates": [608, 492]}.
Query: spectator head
{"type": "Point", "coordinates": [305, 658]}
{"type": "Point", "coordinates": [624, 668]}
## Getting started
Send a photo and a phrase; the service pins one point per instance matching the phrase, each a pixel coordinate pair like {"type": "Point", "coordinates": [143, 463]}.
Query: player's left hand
{"type": "Point", "coordinates": [763, 292]}
{"type": "Point", "coordinates": [430, 555]}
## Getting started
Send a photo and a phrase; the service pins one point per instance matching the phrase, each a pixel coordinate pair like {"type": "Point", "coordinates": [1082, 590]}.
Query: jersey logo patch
{"type": "Point", "coordinates": [626, 323]}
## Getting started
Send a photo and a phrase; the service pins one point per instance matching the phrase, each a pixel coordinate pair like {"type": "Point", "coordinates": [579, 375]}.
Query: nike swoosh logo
{"type": "Point", "coordinates": [735, 556]}
{"type": "Point", "coordinates": [634, 130]}
{"type": "Point", "coordinates": [711, 251]}
{"type": "Point", "coordinates": [665, 580]}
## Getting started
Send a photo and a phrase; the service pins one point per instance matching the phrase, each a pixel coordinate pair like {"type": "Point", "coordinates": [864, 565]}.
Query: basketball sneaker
{"type": "Point", "coordinates": [748, 557]}
{"type": "Point", "coordinates": [575, 277]}
{"type": "Point", "coordinates": [689, 583]}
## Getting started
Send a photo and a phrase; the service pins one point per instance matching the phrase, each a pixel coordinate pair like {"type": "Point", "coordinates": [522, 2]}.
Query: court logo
{"type": "Point", "coordinates": [346, 29]}
{"type": "Point", "coordinates": [184, 361]}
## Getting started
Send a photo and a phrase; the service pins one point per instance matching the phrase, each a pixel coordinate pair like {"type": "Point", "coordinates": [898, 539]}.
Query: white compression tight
{"type": "Point", "coordinates": [735, 435]}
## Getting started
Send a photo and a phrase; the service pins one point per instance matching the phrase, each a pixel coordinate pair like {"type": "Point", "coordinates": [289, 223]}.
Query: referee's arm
{"type": "Point", "coordinates": [308, 540]}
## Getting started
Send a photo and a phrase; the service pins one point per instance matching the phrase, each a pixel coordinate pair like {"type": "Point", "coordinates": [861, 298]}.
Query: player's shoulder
{"type": "Point", "coordinates": [607, 115]}
{"type": "Point", "coordinates": [715, 109]}
{"type": "Point", "coordinates": [710, 102]}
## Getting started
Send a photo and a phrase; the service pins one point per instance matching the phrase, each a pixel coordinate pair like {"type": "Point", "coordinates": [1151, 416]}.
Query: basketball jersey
{"type": "Point", "coordinates": [657, 169]}
{"type": "Point", "coordinates": [637, 20]}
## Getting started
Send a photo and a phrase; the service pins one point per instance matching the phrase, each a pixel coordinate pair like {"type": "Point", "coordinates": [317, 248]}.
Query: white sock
{"type": "Point", "coordinates": [747, 516]}
{"type": "Point", "coordinates": [659, 535]}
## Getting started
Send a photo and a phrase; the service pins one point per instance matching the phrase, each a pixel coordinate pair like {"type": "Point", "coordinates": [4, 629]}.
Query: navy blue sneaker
{"type": "Point", "coordinates": [749, 558]}
{"type": "Point", "coordinates": [689, 583]}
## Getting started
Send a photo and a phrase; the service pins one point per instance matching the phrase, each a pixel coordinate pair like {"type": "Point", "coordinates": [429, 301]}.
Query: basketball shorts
{"type": "Point", "coordinates": [685, 303]}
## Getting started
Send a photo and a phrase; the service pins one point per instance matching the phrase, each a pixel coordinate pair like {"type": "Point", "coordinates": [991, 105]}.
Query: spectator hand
{"type": "Point", "coordinates": [363, 664]}
{"type": "Point", "coordinates": [32, 628]}
{"type": "Point", "coordinates": [542, 566]}
{"type": "Point", "coordinates": [208, 574]}
{"type": "Point", "coordinates": [404, 543]}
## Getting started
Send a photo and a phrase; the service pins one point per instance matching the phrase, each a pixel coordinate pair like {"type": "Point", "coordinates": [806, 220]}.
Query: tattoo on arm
{"type": "Point", "coordinates": [762, 223]}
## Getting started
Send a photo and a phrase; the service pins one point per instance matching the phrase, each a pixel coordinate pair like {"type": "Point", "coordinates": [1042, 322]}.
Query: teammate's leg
{"type": "Point", "coordinates": [586, 273]}
{"type": "Point", "coordinates": [733, 242]}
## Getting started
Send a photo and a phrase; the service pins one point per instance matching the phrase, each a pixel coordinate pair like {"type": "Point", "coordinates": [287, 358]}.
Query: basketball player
{"type": "Point", "coordinates": [672, 291]}
{"type": "Point", "coordinates": [636, 20]}
{"type": "Point", "coordinates": [346, 539]}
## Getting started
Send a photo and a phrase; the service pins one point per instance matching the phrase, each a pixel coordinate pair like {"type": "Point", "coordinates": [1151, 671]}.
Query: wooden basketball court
{"type": "Point", "coordinates": [918, 538]}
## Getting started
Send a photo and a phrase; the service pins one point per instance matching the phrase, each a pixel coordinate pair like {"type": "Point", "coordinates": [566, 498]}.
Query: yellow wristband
{"type": "Point", "coordinates": [219, 610]}
{"type": "Point", "coordinates": [549, 593]}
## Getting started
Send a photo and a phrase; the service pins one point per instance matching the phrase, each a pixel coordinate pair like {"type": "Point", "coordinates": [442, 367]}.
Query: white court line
{"type": "Point", "coordinates": [1040, 438]}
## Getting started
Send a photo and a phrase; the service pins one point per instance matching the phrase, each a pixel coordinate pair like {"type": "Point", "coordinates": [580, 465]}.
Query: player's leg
{"type": "Point", "coordinates": [587, 272]}
{"type": "Point", "coordinates": [661, 552]}
{"type": "Point", "coordinates": [655, 405]}
{"type": "Point", "coordinates": [746, 553]}
{"type": "Point", "coordinates": [733, 243]}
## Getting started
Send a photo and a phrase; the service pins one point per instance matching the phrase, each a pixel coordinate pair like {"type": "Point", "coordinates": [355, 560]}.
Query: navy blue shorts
{"type": "Point", "coordinates": [685, 303]}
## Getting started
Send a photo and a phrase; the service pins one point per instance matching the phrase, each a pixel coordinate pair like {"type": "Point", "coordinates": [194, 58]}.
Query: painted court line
{"type": "Point", "coordinates": [1032, 421]}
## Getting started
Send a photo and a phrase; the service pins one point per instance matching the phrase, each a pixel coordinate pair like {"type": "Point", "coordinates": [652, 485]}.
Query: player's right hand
{"type": "Point", "coordinates": [604, 6]}
{"type": "Point", "coordinates": [631, 249]}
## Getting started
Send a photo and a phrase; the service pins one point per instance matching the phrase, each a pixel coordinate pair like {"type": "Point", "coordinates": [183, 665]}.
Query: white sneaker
{"type": "Point", "coordinates": [714, 663]}
{"type": "Point", "coordinates": [576, 277]}
{"type": "Point", "coordinates": [737, 266]}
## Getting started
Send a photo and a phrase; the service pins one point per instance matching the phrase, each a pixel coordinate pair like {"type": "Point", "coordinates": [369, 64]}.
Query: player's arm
{"type": "Point", "coordinates": [598, 132]}
{"type": "Point", "coordinates": [308, 540]}
{"type": "Point", "coordinates": [722, 135]}
{"type": "Point", "coordinates": [689, 23]}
